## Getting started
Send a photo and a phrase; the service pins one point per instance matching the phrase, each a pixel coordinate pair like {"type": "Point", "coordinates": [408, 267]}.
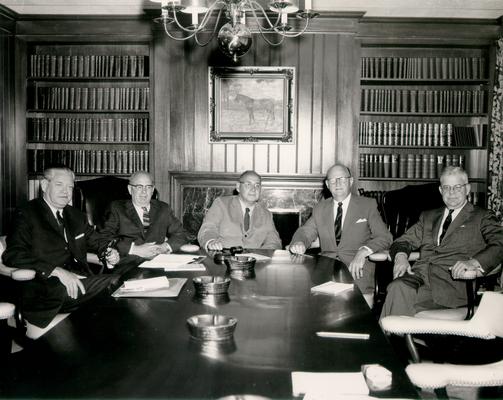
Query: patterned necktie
{"type": "Point", "coordinates": [445, 226]}
{"type": "Point", "coordinates": [146, 218]}
{"type": "Point", "coordinates": [338, 223]}
{"type": "Point", "coordinates": [61, 223]}
{"type": "Point", "coordinates": [247, 219]}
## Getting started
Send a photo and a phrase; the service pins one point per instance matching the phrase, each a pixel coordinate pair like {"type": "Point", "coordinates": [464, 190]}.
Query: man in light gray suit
{"type": "Point", "coordinates": [350, 228]}
{"type": "Point", "coordinates": [452, 240]}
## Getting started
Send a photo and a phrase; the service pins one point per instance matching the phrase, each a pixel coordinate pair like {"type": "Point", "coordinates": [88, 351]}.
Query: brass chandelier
{"type": "Point", "coordinates": [234, 37]}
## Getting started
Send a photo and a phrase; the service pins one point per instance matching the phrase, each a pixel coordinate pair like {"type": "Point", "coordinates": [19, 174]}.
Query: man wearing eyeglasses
{"type": "Point", "coordinates": [452, 240]}
{"type": "Point", "coordinates": [349, 227]}
{"type": "Point", "coordinates": [144, 227]}
{"type": "Point", "coordinates": [240, 220]}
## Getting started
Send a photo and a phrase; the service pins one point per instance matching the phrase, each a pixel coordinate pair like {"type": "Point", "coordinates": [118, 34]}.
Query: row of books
{"type": "Point", "coordinates": [51, 65]}
{"type": "Point", "coordinates": [476, 198]}
{"type": "Point", "coordinates": [88, 130]}
{"type": "Point", "coordinates": [423, 101]}
{"type": "Point", "coordinates": [90, 161]}
{"type": "Point", "coordinates": [92, 98]}
{"type": "Point", "coordinates": [409, 166]}
{"type": "Point", "coordinates": [372, 133]}
{"type": "Point", "coordinates": [424, 67]}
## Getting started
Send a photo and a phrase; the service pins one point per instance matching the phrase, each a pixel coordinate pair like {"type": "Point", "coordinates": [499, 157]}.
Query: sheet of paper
{"type": "Point", "coordinates": [186, 267]}
{"type": "Point", "coordinates": [146, 284]}
{"type": "Point", "coordinates": [332, 288]}
{"type": "Point", "coordinates": [328, 385]}
{"type": "Point", "coordinates": [168, 261]}
{"type": "Point", "coordinates": [175, 285]}
{"type": "Point", "coordinates": [258, 257]}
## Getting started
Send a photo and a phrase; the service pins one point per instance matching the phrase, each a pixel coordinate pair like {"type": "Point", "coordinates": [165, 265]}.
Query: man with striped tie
{"type": "Point", "coordinates": [144, 227]}
{"type": "Point", "coordinates": [452, 240]}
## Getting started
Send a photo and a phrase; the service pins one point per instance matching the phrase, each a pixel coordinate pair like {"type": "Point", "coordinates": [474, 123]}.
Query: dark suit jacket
{"type": "Point", "coordinates": [474, 233]}
{"type": "Point", "coordinates": [123, 223]}
{"type": "Point", "coordinates": [36, 241]}
{"type": "Point", "coordinates": [363, 226]}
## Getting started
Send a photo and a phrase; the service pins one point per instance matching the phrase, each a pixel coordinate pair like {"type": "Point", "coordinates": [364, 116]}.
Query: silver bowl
{"type": "Point", "coordinates": [205, 285]}
{"type": "Point", "coordinates": [211, 326]}
{"type": "Point", "coordinates": [240, 262]}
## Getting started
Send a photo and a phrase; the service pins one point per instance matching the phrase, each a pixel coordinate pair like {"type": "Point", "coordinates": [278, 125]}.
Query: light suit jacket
{"type": "Point", "coordinates": [224, 220]}
{"type": "Point", "coordinates": [363, 226]}
{"type": "Point", "coordinates": [474, 233]}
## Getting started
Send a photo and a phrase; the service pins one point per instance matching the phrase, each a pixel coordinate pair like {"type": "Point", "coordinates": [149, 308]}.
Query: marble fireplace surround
{"type": "Point", "coordinates": [192, 193]}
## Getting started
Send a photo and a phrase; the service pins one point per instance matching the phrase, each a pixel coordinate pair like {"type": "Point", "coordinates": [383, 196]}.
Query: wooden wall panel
{"type": "Point", "coordinates": [324, 125]}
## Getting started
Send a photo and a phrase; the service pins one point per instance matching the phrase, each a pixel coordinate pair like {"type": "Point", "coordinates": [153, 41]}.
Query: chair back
{"type": "Point", "coordinates": [94, 196]}
{"type": "Point", "coordinates": [402, 207]}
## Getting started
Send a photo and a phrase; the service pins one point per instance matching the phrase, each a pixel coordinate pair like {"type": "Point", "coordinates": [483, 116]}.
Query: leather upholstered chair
{"type": "Point", "coordinates": [94, 196]}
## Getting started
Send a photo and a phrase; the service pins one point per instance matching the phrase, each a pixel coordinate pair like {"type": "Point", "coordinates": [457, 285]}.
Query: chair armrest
{"type": "Point", "coordinates": [384, 255]}
{"type": "Point", "coordinates": [6, 310]}
{"type": "Point", "coordinates": [428, 375]}
{"type": "Point", "coordinates": [403, 325]}
{"type": "Point", "coordinates": [23, 274]}
{"type": "Point", "coordinates": [93, 258]}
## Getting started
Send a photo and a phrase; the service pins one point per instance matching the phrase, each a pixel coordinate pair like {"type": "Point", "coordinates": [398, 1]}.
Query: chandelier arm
{"type": "Point", "coordinates": [292, 35]}
{"type": "Point", "coordinates": [251, 4]}
{"type": "Point", "coordinates": [202, 44]}
{"type": "Point", "coordinates": [203, 23]}
{"type": "Point", "coordinates": [177, 38]}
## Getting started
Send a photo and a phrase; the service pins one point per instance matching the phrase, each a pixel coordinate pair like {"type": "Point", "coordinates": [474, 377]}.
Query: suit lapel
{"type": "Point", "coordinates": [328, 211]}
{"type": "Point", "coordinates": [49, 217]}
{"type": "Point", "coordinates": [133, 215]}
{"type": "Point", "coordinates": [350, 218]}
{"type": "Point", "coordinates": [236, 211]}
{"type": "Point", "coordinates": [436, 224]}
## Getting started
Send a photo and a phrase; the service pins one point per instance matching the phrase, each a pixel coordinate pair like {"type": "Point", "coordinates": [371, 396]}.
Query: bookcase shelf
{"type": "Point", "coordinates": [423, 108]}
{"type": "Point", "coordinates": [88, 107]}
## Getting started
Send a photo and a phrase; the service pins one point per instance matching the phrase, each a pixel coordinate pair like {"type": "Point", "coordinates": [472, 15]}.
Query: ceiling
{"type": "Point", "coordinates": [490, 9]}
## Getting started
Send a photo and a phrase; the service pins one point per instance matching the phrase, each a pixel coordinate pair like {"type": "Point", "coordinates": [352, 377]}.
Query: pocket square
{"type": "Point", "coordinates": [79, 236]}
{"type": "Point", "coordinates": [361, 220]}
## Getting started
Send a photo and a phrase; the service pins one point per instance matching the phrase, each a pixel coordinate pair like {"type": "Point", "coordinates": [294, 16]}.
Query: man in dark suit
{"type": "Point", "coordinates": [53, 238]}
{"type": "Point", "coordinates": [143, 227]}
{"type": "Point", "coordinates": [453, 239]}
{"type": "Point", "coordinates": [349, 227]}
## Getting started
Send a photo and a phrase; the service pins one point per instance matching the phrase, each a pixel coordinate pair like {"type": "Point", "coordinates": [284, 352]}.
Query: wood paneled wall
{"type": "Point", "coordinates": [327, 101]}
{"type": "Point", "coordinates": [7, 120]}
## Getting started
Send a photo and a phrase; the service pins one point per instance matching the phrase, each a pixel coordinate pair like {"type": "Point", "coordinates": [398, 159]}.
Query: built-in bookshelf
{"type": "Point", "coordinates": [88, 107]}
{"type": "Point", "coordinates": [423, 108]}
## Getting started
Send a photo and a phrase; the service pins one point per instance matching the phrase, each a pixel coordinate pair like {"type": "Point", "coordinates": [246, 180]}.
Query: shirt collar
{"type": "Point", "coordinates": [244, 206]}
{"type": "Point", "coordinates": [54, 210]}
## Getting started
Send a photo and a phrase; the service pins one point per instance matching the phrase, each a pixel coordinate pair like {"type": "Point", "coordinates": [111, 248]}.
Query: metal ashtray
{"type": "Point", "coordinates": [205, 285]}
{"type": "Point", "coordinates": [211, 326]}
{"type": "Point", "coordinates": [240, 262]}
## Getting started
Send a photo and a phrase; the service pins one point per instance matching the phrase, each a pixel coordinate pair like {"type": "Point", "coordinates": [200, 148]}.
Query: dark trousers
{"type": "Point", "coordinates": [42, 299]}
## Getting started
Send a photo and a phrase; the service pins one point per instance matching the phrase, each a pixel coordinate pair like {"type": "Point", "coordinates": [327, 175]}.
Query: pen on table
{"type": "Point", "coordinates": [344, 335]}
{"type": "Point", "coordinates": [197, 260]}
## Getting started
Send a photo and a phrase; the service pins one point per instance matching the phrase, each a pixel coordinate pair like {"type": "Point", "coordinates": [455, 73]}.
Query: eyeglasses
{"type": "Point", "coordinates": [142, 187]}
{"type": "Point", "coordinates": [251, 185]}
{"type": "Point", "coordinates": [455, 188]}
{"type": "Point", "coordinates": [338, 181]}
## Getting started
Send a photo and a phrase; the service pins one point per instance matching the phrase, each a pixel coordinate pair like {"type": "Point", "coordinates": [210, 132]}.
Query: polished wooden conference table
{"type": "Point", "coordinates": [141, 347]}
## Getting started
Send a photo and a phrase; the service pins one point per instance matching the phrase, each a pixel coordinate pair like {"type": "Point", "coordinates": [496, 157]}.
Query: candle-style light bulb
{"type": "Point", "coordinates": [195, 18]}
{"type": "Point", "coordinates": [307, 4]}
{"type": "Point", "coordinates": [284, 18]}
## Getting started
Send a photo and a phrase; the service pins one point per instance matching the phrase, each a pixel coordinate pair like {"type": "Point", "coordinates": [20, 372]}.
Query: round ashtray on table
{"type": "Point", "coordinates": [240, 262]}
{"type": "Point", "coordinates": [215, 285]}
{"type": "Point", "coordinates": [211, 326]}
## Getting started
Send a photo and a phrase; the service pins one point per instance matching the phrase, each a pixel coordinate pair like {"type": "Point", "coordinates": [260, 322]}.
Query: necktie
{"type": "Point", "coordinates": [247, 219]}
{"type": "Point", "coordinates": [61, 223]}
{"type": "Point", "coordinates": [146, 217]}
{"type": "Point", "coordinates": [338, 223]}
{"type": "Point", "coordinates": [445, 226]}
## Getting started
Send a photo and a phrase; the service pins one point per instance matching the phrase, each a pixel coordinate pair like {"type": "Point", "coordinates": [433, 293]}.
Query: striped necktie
{"type": "Point", "coordinates": [146, 218]}
{"type": "Point", "coordinates": [61, 223]}
{"type": "Point", "coordinates": [338, 223]}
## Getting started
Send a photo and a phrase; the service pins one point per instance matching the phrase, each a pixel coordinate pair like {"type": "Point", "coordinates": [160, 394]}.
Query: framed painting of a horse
{"type": "Point", "coordinates": [251, 104]}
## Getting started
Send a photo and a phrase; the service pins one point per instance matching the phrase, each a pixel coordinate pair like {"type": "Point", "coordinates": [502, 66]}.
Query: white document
{"type": "Point", "coordinates": [173, 290]}
{"type": "Point", "coordinates": [146, 284]}
{"type": "Point", "coordinates": [328, 385]}
{"type": "Point", "coordinates": [258, 257]}
{"type": "Point", "coordinates": [166, 261]}
{"type": "Point", "coordinates": [332, 288]}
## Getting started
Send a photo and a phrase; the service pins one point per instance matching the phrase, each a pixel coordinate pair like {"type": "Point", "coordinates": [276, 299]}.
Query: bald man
{"type": "Point", "coordinates": [350, 228]}
{"type": "Point", "coordinates": [240, 220]}
{"type": "Point", "coordinates": [144, 227]}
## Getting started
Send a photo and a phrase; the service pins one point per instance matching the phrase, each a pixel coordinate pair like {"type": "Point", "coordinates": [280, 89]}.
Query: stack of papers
{"type": "Point", "coordinates": [332, 288]}
{"type": "Point", "coordinates": [175, 262]}
{"type": "Point", "coordinates": [151, 287]}
{"type": "Point", "coordinates": [328, 385]}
